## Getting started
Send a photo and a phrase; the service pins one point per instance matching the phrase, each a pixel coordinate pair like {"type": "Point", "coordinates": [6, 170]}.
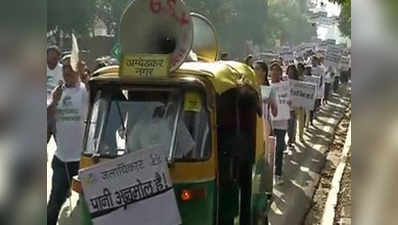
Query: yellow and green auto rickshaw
{"type": "Point", "coordinates": [215, 145]}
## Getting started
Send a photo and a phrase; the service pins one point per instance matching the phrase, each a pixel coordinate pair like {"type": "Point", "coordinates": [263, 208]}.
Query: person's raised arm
{"type": "Point", "coordinates": [55, 97]}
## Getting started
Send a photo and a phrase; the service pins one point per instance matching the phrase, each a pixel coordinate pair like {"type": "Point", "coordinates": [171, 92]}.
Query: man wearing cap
{"type": "Point", "coordinates": [68, 105]}
{"type": "Point", "coordinates": [54, 76]}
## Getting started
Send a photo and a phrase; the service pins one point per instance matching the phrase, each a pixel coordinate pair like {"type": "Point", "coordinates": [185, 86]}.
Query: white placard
{"type": "Point", "coordinates": [135, 187]}
{"type": "Point", "coordinates": [287, 55]}
{"type": "Point", "coordinates": [333, 56]}
{"type": "Point", "coordinates": [271, 152]}
{"type": "Point", "coordinates": [345, 63]}
{"type": "Point", "coordinates": [316, 80]}
{"type": "Point", "coordinates": [302, 94]}
{"type": "Point", "coordinates": [282, 91]}
{"type": "Point", "coordinates": [265, 92]}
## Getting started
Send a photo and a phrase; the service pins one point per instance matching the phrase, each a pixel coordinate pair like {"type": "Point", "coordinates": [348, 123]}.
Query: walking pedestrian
{"type": "Point", "coordinates": [328, 83]}
{"type": "Point", "coordinates": [54, 77]}
{"type": "Point", "coordinates": [268, 95]}
{"type": "Point", "coordinates": [292, 124]}
{"type": "Point", "coordinates": [279, 128]}
{"type": "Point", "coordinates": [309, 114]}
{"type": "Point", "coordinates": [301, 112]}
{"type": "Point", "coordinates": [68, 105]}
{"type": "Point", "coordinates": [249, 61]}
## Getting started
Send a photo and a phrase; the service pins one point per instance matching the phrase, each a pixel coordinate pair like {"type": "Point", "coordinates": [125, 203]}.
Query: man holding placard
{"type": "Point", "coordinates": [280, 121]}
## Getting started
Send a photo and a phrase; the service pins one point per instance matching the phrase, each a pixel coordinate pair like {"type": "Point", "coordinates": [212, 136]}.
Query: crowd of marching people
{"type": "Point", "coordinates": [270, 77]}
{"type": "Point", "coordinates": [67, 96]}
{"type": "Point", "coordinates": [67, 106]}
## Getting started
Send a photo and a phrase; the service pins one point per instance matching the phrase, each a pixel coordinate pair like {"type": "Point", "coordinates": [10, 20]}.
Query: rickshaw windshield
{"type": "Point", "coordinates": [130, 120]}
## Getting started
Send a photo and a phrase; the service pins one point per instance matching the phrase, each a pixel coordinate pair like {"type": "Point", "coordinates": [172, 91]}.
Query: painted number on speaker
{"type": "Point", "coordinates": [171, 9]}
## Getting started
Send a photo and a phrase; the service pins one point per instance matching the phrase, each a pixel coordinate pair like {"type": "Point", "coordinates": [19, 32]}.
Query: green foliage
{"type": "Point", "coordinates": [71, 15]}
{"type": "Point", "coordinates": [345, 19]}
{"type": "Point", "coordinates": [236, 21]}
{"type": "Point", "coordinates": [286, 21]}
{"type": "Point", "coordinates": [345, 16]}
{"type": "Point", "coordinates": [262, 21]}
{"type": "Point", "coordinates": [110, 11]}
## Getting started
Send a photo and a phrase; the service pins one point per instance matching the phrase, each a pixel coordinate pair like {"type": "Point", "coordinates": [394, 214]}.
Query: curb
{"type": "Point", "coordinates": [331, 202]}
{"type": "Point", "coordinates": [332, 130]}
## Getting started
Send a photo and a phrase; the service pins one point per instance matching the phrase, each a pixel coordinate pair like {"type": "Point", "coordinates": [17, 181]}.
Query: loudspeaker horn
{"type": "Point", "coordinates": [205, 43]}
{"type": "Point", "coordinates": [157, 27]}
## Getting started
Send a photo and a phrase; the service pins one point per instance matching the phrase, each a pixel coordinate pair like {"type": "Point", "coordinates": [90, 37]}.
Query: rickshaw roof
{"type": "Point", "coordinates": [224, 75]}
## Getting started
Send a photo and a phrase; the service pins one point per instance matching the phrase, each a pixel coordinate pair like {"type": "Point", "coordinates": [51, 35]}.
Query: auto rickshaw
{"type": "Point", "coordinates": [213, 132]}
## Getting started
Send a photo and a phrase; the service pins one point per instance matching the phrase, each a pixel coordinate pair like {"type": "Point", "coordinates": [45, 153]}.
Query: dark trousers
{"type": "Point", "coordinates": [327, 91]}
{"type": "Point", "coordinates": [280, 147]}
{"type": "Point", "coordinates": [336, 84]}
{"type": "Point", "coordinates": [316, 108]}
{"type": "Point", "coordinates": [245, 183]}
{"type": "Point", "coordinates": [61, 180]}
{"type": "Point", "coordinates": [292, 127]}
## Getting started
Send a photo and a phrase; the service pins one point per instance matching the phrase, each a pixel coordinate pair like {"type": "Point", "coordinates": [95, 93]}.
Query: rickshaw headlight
{"type": "Point", "coordinates": [186, 195]}
{"type": "Point", "coordinates": [193, 194]}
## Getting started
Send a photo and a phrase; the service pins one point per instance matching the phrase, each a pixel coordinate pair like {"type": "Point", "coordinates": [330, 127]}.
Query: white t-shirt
{"type": "Point", "coordinates": [53, 77]}
{"type": "Point", "coordinates": [282, 92]}
{"type": "Point", "coordinates": [320, 72]}
{"type": "Point", "coordinates": [71, 113]}
{"type": "Point", "coordinates": [329, 78]}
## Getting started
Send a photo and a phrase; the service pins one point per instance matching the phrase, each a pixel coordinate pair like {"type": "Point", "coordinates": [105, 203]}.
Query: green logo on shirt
{"type": "Point", "coordinates": [67, 101]}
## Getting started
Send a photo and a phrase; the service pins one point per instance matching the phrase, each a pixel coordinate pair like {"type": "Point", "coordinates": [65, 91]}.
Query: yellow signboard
{"type": "Point", "coordinates": [145, 65]}
{"type": "Point", "coordinates": [192, 102]}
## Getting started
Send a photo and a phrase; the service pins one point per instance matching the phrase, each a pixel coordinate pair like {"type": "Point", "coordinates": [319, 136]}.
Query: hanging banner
{"type": "Point", "coordinates": [302, 94]}
{"type": "Point", "coordinates": [282, 91]}
{"type": "Point", "coordinates": [135, 187]}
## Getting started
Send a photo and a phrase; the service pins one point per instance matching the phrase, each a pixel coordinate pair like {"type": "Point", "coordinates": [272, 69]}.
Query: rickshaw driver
{"type": "Point", "coordinates": [150, 131]}
{"type": "Point", "coordinates": [158, 131]}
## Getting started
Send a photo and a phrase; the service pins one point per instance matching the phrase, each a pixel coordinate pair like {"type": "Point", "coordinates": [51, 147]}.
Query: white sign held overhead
{"type": "Point", "coordinates": [344, 63]}
{"type": "Point", "coordinates": [136, 186]}
{"type": "Point", "coordinates": [282, 91]}
{"type": "Point", "coordinates": [74, 59]}
{"type": "Point", "coordinates": [333, 55]}
{"type": "Point", "coordinates": [316, 80]}
{"type": "Point", "coordinates": [302, 94]}
{"type": "Point", "coordinates": [287, 55]}
{"type": "Point", "coordinates": [265, 92]}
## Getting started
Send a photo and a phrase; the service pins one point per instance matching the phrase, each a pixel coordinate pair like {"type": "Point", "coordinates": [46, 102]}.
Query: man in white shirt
{"type": "Point", "coordinates": [54, 69]}
{"type": "Point", "coordinates": [317, 70]}
{"type": "Point", "coordinates": [328, 83]}
{"type": "Point", "coordinates": [68, 104]}
{"type": "Point", "coordinates": [54, 77]}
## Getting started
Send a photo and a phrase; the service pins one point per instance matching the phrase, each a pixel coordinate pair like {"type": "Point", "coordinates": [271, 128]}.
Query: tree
{"type": "Point", "coordinates": [110, 11]}
{"type": "Point", "coordinates": [345, 16]}
{"type": "Point", "coordinates": [286, 21]}
{"type": "Point", "coordinates": [70, 16]}
{"type": "Point", "coordinates": [236, 21]}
